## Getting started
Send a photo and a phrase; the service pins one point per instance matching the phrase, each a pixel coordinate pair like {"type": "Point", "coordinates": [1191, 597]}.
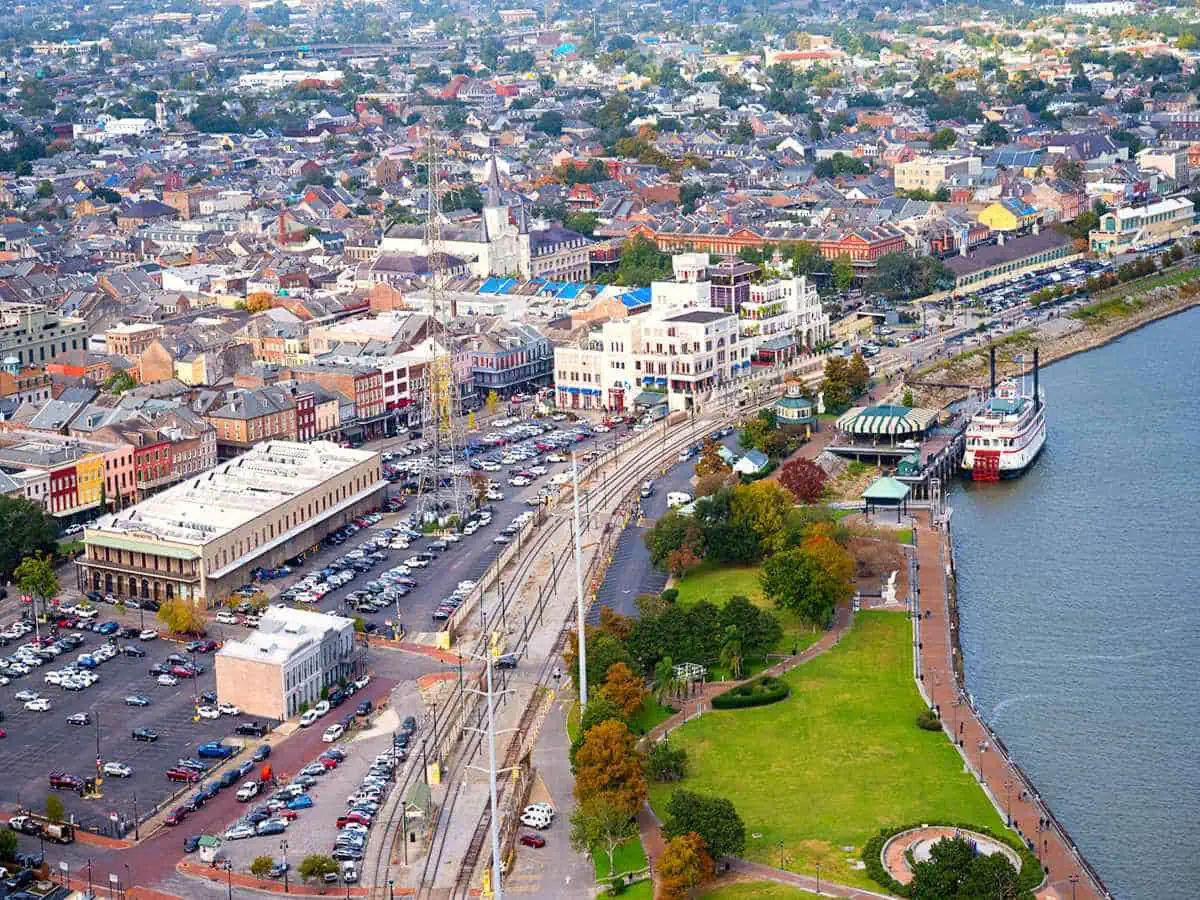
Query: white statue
{"type": "Point", "coordinates": [889, 591]}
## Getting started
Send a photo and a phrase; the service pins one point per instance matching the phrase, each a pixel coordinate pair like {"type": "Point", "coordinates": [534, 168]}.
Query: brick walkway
{"type": "Point", "coordinates": [1008, 791]}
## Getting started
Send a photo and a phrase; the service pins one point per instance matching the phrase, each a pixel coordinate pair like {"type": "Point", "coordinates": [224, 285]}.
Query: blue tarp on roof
{"type": "Point", "coordinates": [636, 297]}
{"type": "Point", "coordinates": [572, 290]}
{"type": "Point", "coordinates": [491, 286]}
{"type": "Point", "coordinates": [507, 285]}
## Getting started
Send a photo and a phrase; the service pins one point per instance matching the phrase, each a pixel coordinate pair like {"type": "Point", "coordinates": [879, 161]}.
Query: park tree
{"type": "Point", "coordinates": [626, 690]}
{"type": "Point", "coordinates": [682, 561]}
{"type": "Point", "coordinates": [317, 866]}
{"type": "Point", "coordinates": [8, 844]}
{"type": "Point", "coordinates": [762, 509]}
{"type": "Point", "coordinates": [858, 374]}
{"type": "Point", "coordinates": [604, 650]}
{"type": "Point", "coordinates": [25, 530]}
{"type": "Point", "coordinates": [685, 864]}
{"type": "Point", "coordinates": [835, 386]}
{"type": "Point", "coordinates": [710, 462]}
{"type": "Point", "coordinates": [732, 652]}
{"type": "Point", "coordinates": [758, 629]}
{"type": "Point", "coordinates": [673, 532]}
{"type": "Point", "coordinates": [666, 762]}
{"type": "Point", "coordinates": [492, 403]}
{"type": "Point", "coordinates": [795, 580]}
{"type": "Point", "coordinates": [600, 708]}
{"type": "Point", "coordinates": [992, 133]}
{"type": "Point", "coordinates": [955, 869]}
{"type": "Point", "coordinates": [843, 273]}
{"type": "Point", "coordinates": [642, 262]}
{"type": "Point", "coordinates": [833, 558]}
{"type": "Point", "coordinates": [601, 822]}
{"type": "Point", "coordinates": [261, 867]}
{"type": "Point", "coordinates": [55, 811]}
{"type": "Point", "coordinates": [181, 616]}
{"type": "Point", "coordinates": [35, 576]}
{"type": "Point", "coordinates": [550, 122]}
{"type": "Point", "coordinates": [713, 818]}
{"type": "Point", "coordinates": [259, 301]}
{"type": "Point", "coordinates": [609, 766]}
{"type": "Point", "coordinates": [944, 139]}
{"type": "Point", "coordinates": [804, 479]}
{"type": "Point", "coordinates": [807, 259]}
{"type": "Point", "coordinates": [664, 678]}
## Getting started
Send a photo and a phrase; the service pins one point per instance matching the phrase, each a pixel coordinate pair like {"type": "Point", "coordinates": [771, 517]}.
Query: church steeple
{"type": "Point", "coordinates": [493, 182]}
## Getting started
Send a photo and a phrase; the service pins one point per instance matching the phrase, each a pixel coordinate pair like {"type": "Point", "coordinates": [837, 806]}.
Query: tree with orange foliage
{"type": "Point", "coordinates": [259, 301]}
{"type": "Point", "coordinates": [623, 688]}
{"type": "Point", "coordinates": [608, 765]}
{"type": "Point", "coordinates": [685, 864]}
{"type": "Point", "coordinates": [831, 556]}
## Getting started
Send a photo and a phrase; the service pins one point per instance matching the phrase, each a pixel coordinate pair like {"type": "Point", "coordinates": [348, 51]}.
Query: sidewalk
{"type": "Point", "coordinates": [1012, 796]}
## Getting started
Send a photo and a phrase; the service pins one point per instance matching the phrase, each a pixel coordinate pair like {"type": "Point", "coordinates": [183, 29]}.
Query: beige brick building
{"type": "Point", "coordinates": [928, 173]}
{"type": "Point", "coordinates": [202, 538]}
{"type": "Point", "coordinates": [283, 665]}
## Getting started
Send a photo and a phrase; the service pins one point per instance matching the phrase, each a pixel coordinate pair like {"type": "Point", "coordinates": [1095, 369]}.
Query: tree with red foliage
{"type": "Point", "coordinates": [804, 478]}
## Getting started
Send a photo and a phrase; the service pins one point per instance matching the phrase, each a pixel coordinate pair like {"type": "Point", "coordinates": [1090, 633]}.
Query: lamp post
{"type": "Point", "coordinates": [229, 877]}
{"type": "Point", "coordinates": [818, 878]}
{"type": "Point", "coordinates": [283, 850]}
{"type": "Point", "coordinates": [391, 892]}
{"type": "Point", "coordinates": [780, 846]}
{"type": "Point", "coordinates": [136, 833]}
{"type": "Point", "coordinates": [1008, 801]}
{"type": "Point", "coordinates": [1074, 879]}
{"type": "Point", "coordinates": [128, 879]}
{"type": "Point", "coordinates": [982, 750]}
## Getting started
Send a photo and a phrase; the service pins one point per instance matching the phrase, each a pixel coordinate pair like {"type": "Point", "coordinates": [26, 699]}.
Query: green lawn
{"type": "Point", "coordinates": [651, 714]}
{"type": "Point", "coordinates": [840, 758]}
{"type": "Point", "coordinates": [629, 857]}
{"type": "Point", "coordinates": [643, 890]}
{"type": "Point", "coordinates": [756, 890]}
{"type": "Point", "coordinates": [716, 583]}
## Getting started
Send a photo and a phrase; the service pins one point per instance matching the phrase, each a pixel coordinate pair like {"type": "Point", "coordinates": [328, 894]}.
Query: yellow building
{"type": "Point", "coordinates": [89, 475]}
{"type": "Point", "coordinates": [1008, 215]}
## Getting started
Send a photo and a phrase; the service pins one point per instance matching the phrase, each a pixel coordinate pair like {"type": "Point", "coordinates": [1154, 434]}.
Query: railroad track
{"type": "Point", "coordinates": [613, 488]}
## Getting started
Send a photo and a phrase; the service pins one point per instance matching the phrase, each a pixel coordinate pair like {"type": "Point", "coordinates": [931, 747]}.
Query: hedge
{"type": "Point", "coordinates": [1030, 876]}
{"type": "Point", "coordinates": [759, 692]}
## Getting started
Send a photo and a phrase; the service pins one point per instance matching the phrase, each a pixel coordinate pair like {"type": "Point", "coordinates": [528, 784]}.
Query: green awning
{"type": "Point", "coordinates": [886, 490]}
{"type": "Point", "coordinates": [112, 541]}
{"type": "Point", "coordinates": [650, 399]}
{"type": "Point", "coordinates": [886, 419]}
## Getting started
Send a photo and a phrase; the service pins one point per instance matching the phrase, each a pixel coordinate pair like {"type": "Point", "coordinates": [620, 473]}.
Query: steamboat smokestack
{"type": "Point", "coordinates": [992, 370]}
{"type": "Point", "coordinates": [1037, 399]}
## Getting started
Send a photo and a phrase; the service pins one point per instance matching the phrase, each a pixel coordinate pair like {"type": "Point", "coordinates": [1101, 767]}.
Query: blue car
{"type": "Point", "coordinates": [214, 750]}
{"type": "Point", "coordinates": [302, 802]}
{"type": "Point", "coordinates": [109, 628]}
{"type": "Point", "coordinates": [263, 751]}
{"type": "Point", "coordinates": [87, 662]}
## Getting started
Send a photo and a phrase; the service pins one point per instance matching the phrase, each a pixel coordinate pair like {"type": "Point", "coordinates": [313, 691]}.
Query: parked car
{"type": "Point", "coordinates": [332, 733]}
{"type": "Point", "coordinates": [117, 769]}
{"type": "Point", "coordinates": [532, 840]}
{"type": "Point", "coordinates": [145, 734]}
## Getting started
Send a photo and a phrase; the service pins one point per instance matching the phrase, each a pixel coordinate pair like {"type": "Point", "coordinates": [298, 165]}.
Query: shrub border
{"type": "Point", "coordinates": [1031, 866]}
{"type": "Point", "coordinates": [772, 691]}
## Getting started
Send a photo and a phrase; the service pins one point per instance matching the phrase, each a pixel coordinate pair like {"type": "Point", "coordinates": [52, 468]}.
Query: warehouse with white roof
{"type": "Point", "coordinates": [202, 538]}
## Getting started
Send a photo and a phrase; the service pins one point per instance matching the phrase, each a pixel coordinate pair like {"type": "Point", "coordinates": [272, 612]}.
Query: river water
{"type": "Point", "coordinates": [1079, 588]}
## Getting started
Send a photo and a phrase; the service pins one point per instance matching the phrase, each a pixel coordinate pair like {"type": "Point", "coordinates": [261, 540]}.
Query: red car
{"type": "Point", "coordinates": [355, 817]}
{"type": "Point", "coordinates": [328, 762]}
{"type": "Point", "coordinates": [533, 840]}
{"type": "Point", "coordinates": [176, 816]}
{"type": "Point", "coordinates": [186, 775]}
{"type": "Point", "coordinates": [182, 672]}
{"type": "Point", "coordinates": [285, 813]}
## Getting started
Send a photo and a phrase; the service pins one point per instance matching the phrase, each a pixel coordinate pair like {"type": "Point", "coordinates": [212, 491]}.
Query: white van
{"type": "Point", "coordinates": [678, 498]}
{"type": "Point", "coordinates": [537, 818]}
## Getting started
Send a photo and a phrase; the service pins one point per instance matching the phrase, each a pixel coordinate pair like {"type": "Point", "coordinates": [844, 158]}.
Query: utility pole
{"type": "Point", "coordinates": [497, 887]}
{"type": "Point", "coordinates": [583, 686]}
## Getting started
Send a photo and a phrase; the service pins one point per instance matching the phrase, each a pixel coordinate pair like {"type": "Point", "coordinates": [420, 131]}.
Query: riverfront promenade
{"type": "Point", "coordinates": [1068, 876]}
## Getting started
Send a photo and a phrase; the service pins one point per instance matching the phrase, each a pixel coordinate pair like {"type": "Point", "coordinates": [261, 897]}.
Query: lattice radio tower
{"type": "Point", "coordinates": [440, 414]}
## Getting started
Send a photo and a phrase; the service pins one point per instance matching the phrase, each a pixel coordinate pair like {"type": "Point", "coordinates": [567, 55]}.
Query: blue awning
{"type": "Point", "coordinates": [661, 381]}
{"type": "Point", "coordinates": [649, 379]}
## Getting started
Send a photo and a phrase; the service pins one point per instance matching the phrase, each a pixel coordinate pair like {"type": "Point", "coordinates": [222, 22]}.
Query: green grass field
{"type": "Point", "coordinates": [651, 713]}
{"type": "Point", "coordinates": [836, 761]}
{"type": "Point", "coordinates": [629, 857]}
{"type": "Point", "coordinates": [716, 583]}
{"type": "Point", "coordinates": [756, 890]}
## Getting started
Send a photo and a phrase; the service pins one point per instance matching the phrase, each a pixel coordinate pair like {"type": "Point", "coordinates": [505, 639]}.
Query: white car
{"type": "Point", "coordinates": [540, 807]}
{"type": "Point", "coordinates": [321, 708]}
{"type": "Point", "coordinates": [208, 712]}
{"type": "Point", "coordinates": [601, 429]}
{"type": "Point", "coordinates": [362, 682]}
{"type": "Point", "coordinates": [23, 696]}
{"type": "Point", "coordinates": [226, 618]}
{"type": "Point", "coordinates": [120, 770]}
{"type": "Point", "coordinates": [248, 791]}
{"type": "Point", "coordinates": [39, 705]}
{"type": "Point", "coordinates": [148, 635]}
{"type": "Point", "coordinates": [332, 733]}
{"type": "Point", "coordinates": [228, 709]}
{"type": "Point", "coordinates": [308, 718]}
{"type": "Point", "coordinates": [238, 832]}
{"type": "Point", "coordinates": [414, 562]}
{"type": "Point", "coordinates": [168, 680]}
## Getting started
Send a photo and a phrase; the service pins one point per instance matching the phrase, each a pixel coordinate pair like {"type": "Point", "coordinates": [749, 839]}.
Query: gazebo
{"type": "Point", "coordinates": [887, 493]}
{"type": "Point", "coordinates": [795, 412]}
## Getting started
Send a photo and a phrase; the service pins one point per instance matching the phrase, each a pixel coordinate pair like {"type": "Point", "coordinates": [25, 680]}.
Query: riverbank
{"type": "Point", "coordinates": [1056, 339]}
{"type": "Point", "coordinates": [939, 678]}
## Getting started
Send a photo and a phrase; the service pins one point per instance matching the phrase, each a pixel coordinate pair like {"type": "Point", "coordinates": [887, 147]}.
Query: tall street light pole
{"type": "Point", "coordinates": [579, 613]}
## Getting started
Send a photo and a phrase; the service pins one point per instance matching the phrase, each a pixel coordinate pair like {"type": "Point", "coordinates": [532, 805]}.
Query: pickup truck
{"type": "Point", "coordinates": [61, 781]}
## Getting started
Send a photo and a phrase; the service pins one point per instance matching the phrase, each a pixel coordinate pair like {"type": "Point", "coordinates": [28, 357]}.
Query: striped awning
{"type": "Point", "coordinates": [889, 420]}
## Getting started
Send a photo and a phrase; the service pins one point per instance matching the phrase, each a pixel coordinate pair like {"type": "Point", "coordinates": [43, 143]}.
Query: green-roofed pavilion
{"type": "Point", "coordinates": [887, 493]}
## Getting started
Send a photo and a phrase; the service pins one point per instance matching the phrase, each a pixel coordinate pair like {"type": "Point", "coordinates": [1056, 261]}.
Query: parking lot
{"type": "Point", "coordinates": [37, 743]}
{"type": "Point", "coordinates": [464, 560]}
{"type": "Point", "coordinates": [314, 829]}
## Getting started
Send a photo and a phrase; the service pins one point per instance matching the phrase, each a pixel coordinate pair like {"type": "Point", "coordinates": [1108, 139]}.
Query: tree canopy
{"type": "Point", "coordinates": [25, 530]}
{"type": "Point", "coordinates": [713, 818]}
